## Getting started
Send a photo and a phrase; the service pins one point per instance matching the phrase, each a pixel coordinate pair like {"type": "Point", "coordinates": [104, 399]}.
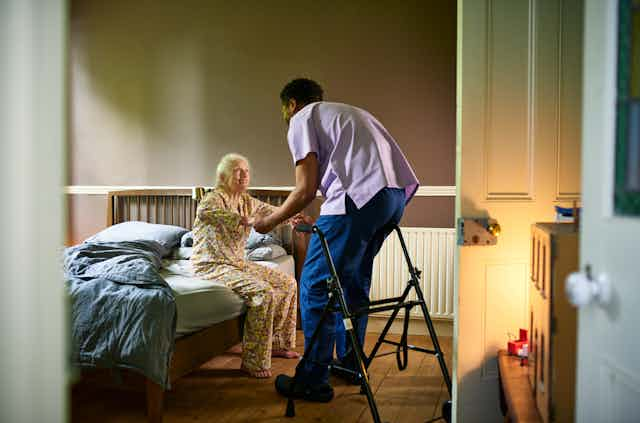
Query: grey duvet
{"type": "Point", "coordinates": [123, 314]}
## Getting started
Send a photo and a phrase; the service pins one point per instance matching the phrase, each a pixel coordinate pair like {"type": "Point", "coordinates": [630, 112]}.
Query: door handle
{"type": "Point", "coordinates": [582, 288]}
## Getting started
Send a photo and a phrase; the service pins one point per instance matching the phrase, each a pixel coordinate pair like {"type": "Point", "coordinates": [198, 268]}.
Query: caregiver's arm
{"type": "Point", "coordinates": [307, 181]}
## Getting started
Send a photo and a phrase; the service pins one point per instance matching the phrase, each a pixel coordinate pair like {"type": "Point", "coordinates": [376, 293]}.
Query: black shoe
{"type": "Point", "coordinates": [345, 372]}
{"type": "Point", "coordinates": [315, 393]}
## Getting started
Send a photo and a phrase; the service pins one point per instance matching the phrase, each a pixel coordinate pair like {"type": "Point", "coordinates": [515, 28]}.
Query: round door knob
{"type": "Point", "coordinates": [582, 289]}
{"type": "Point", "coordinates": [494, 229]}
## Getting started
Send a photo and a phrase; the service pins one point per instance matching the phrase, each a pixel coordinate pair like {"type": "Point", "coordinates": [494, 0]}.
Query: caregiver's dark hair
{"type": "Point", "coordinates": [302, 90]}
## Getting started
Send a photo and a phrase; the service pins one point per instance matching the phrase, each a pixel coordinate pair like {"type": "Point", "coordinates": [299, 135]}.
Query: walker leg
{"type": "Point", "coordinates": [291, 407]}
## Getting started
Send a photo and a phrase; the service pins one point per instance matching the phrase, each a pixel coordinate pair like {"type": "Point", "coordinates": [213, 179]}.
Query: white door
{"type": "Point", "coordinates": [608, 343]}
{"type": "Point", "coordinates": [33, 334]}
{"type": "Point", "coordinates": [519, 96]}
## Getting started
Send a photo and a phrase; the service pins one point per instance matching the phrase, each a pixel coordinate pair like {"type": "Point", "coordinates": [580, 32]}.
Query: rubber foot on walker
{"type": "Point", "coordinates": [314, 393]}
{"type": "Point", "coordinates": [291, 408]}
{"type": "Point", "coordinates": [446, 411]}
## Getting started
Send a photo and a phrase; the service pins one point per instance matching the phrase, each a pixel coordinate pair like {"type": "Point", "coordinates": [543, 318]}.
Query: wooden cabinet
{"type": "Point", "coordinates": [552, 320]}
{"type": "Point", "coordinates": [516, 401]}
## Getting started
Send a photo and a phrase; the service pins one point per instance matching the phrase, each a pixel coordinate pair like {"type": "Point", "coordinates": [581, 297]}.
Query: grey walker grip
{"type": "Point", "coordinates": [304, 227]}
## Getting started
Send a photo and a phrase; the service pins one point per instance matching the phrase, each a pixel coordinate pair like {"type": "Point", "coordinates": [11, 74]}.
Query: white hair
{"type": "Point", "coordinates": [225, 168]}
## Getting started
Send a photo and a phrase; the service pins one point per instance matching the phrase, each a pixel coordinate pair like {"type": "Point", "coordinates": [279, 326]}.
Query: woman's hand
{"type": "Point", "coordinates": [247, 221]}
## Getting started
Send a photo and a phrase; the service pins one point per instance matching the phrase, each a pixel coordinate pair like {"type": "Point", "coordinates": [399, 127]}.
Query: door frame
{"type": "Point", "coordinates": [33, 324]}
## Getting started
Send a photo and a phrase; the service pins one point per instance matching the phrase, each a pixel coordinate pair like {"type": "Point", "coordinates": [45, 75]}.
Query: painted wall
{"type": "Point", "coordinates": [161, 89]}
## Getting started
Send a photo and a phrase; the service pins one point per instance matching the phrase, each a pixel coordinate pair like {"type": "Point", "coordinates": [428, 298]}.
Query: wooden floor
{"type": "Point", "coordinates": [219, 392]}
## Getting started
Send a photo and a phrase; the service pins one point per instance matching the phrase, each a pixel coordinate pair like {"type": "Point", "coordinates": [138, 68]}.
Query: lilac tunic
{"type": "Point", "coordinates": [357, 156]}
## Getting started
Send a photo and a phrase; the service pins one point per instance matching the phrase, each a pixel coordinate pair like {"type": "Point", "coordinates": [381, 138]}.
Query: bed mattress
{"type": "Point", "coordinates": [285, 264]}
{"type": "Point", "coordinates": [202, 303]}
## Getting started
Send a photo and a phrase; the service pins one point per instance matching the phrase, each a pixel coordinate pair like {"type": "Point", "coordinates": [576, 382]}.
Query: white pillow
{"type": "Point", "coordinates": [268, 252]}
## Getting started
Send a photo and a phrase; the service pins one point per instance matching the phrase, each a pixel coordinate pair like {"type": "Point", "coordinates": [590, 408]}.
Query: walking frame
{"type": "Point", "coordinates": [337, 303]}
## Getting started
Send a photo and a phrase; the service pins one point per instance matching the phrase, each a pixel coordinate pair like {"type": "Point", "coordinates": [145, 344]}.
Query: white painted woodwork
{"type": "Point", "coordinates": [518, 137]}
{"type": "Point", "coordinates": [33, 335]}
{"type": "Point", "coordinates": [608, 373]}
{"type": "Point", "coordinates": [568, 157]}
{"type": "Point", "coordinates": [423, 191]}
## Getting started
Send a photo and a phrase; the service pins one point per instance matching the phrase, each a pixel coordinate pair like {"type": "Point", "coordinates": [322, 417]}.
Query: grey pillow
{"type": "Point", "coordinates": [166, 235]}
{"type": "Point", "coordinates": [267, 252]}
{"type": "Point", "coordinates": [187, 240]}
{"type": "Point", "coordinates": [257, 239]}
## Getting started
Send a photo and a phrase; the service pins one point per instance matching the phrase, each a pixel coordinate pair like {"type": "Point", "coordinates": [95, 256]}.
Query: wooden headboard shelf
{"type": "Point", "coordinates": [169, 207]}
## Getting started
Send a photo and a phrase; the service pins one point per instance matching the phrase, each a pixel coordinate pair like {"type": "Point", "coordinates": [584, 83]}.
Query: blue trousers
{"type": "Point", "coordinates": [354, 239]}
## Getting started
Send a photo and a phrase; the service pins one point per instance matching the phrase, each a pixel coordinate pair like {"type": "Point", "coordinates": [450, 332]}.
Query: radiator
{"type": "Point", "coordinates": [432, 251]}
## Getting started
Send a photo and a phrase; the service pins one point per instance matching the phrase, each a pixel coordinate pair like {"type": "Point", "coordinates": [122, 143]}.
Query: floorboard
{"type": "Point", "coordinates": [220, 392]}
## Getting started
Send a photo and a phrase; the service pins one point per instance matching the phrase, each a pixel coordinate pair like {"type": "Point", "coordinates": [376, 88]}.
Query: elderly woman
{"type": "Point", "coordinates": [221, 228]}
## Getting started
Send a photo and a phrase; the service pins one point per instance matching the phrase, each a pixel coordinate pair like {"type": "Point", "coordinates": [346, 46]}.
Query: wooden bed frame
{"type": "Point", "coordinates": [178, 207]}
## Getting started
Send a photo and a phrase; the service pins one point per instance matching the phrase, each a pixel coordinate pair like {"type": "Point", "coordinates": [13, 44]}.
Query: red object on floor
{"type": "Point", "coordinates": [516, 347]}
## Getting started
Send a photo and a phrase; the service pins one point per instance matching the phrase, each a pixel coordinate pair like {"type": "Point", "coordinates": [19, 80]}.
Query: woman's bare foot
{"type": "Point", "coordinates": [258, 374]}
{"type": "Point", "coordinates": [285, 354]}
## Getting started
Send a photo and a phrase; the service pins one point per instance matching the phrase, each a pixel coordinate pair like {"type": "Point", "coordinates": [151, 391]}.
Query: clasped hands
{"type": "Point", "coordinates": [265, 224]}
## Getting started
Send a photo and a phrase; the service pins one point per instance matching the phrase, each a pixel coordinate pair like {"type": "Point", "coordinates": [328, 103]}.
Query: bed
{"type": "Point", "coordinates": [201, 302]}
{"type": "Point", "coordinates": [200, 333]}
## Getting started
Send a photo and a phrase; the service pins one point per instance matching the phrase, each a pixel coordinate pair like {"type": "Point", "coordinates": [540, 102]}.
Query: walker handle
{"type": "Point", "coordinates": [304, 227]}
